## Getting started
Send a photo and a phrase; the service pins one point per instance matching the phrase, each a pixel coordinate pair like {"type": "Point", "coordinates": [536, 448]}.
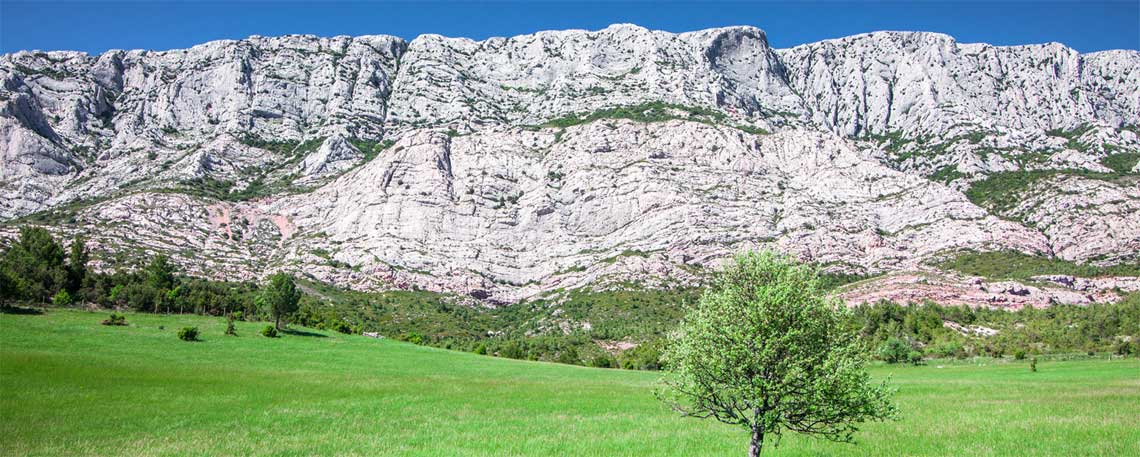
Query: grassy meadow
{"type": "Point", "coordinates": [69, 386]}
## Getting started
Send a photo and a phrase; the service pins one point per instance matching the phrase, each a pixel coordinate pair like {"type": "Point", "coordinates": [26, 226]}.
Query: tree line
{"type": "Point", "coordinates": [37, 269]}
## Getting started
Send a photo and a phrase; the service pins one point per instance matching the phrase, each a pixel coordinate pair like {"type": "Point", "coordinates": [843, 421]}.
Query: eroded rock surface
{"type": "Point", "coordinates": [510, 167]}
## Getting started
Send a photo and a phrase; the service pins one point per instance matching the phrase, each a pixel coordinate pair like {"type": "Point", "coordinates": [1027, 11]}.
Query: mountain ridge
{"type": "Point", "coordinates": [602, 154]}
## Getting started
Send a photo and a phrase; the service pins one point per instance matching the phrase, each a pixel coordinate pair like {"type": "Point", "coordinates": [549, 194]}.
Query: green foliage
{"type": "Point", "coordinates": [1059, 329]}
{"type": "Point", "coordinates": [115, 320]}
{"type": "Point", "coordinates": [603, 361]}
{"type": "Point", "coordinates": [645, 112]}
{"type": "Point", "coordinates": [894, 350]}
{"type": "Point", "coordinates": [1017, 265]}
{"type": "Point", "coordinates": [1002, 192]}
{"type": "Point", "coordinates": [62, 298]}
{"type": "Point", "coordinates": [1124, 348]}
{"type": "Point", "coordinates": [77, 260]}
{"type": "Point", "coordinates": [33, 267]}
{"type": "Point", "coordinates": [258, 185]}
{"type": "Point", "coordinates": [831, 281]}
{"type": "Point", "coordinates": [946, 174]}
{"type": "Point", "coordinates": [160, 273]}
{"type": "Point", "coordinates": [188, 333]}
{"type": "Point", "coordinates": [231, 329]}
{"type": "Point", "coordinates": [270, 331]}
{"type": "Point", "coordinates": [370, 148]}
{"type": "Point", "coordinates": [765, 349]}
{"type": "Point", "coordinates": [1072, 136]}
{"type": "Point", "coordinates": [279, 297]}
{"type": "Point", "coordinates": [1121, 163]}
{"type": "Point", "coordinates": [413, 337]}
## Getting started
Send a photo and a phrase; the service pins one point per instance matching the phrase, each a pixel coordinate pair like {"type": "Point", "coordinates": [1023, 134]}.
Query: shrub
{"type": "Point", "coordinates": [1124, 348]}
{"type": "Point", "coordinates": [568, 356]}
{"type": "Point", "coordinates": [914, 357]}
{"type": "Point", "coordinates": [512, 350]}
{"type": "Point", "coordinates": [894, 350]}
{"type": "Point", "coordinates": [603, 361]}
{"type": "Point", "coordinates": [414, 338]}
{"type": "Point", "coordinates": [230, 329]}
{"type": "Point", "coordinates": [342, 327]}
{"type": "Point", "coordinates": [61, 298]}
{"type": "Point", "coordinates": [1019, 354]}
{"type": "Point", "coordinates": [115, 319]}
{"type": "Point", "coordinates": [1033, 364]}
{"type": "Point", "coordinates": [269, 331]}
{"type": "Point", "coordinates": [949, 349]}
{"type": "Point", "coordinates": [481, 349]}
{"type": "Point", "coordinates": [188, 333]}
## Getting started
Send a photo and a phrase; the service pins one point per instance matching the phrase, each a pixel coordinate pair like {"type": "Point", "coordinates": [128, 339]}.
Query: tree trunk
{"type": "Point", "coordinates": [757, 441]}
{"type": "Point", "coordinates": [278, 322]}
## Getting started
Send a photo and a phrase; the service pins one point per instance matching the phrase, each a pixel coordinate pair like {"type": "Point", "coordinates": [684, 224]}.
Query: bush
{"type": "Point", "coordinates": [949, 349]}
{"type": "Point", "coordinates": [230, 329]}
{"type": "Point", "coordinates": [414, 338]}
{"type": "Point", "coordinates": [603, 361]}
{"type": "Point", "coordinates": [512, 350]}
{"type": "Point", "coordinates": [1019, 354]}
{"type": "Point", "coordinates": [188, 333]}
{"type": "Point", "coordinates": [914, 357]}
{"type": "Point", "coordinates": [61, 298]}
{"type": "Point", "coordinates": [481, 349]}
{"type": "Point", "coordinates": [115, 319]}
{"type": "Point", "coordinates": [342, 327]}
{"type": "Point", "coordinates": [1124, 348]}
{"type": "Point", "coordinates": [269, 331]}
{"type": "Point", "coordinates": [894, 350]}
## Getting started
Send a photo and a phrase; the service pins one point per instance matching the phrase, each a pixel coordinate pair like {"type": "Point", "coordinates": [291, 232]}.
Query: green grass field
{"type": "Point", "coordinates": [69, 386]}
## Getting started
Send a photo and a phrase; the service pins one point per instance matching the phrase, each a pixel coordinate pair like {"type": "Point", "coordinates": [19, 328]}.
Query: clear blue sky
{"type": "Point", "coordinates": [94, 26]}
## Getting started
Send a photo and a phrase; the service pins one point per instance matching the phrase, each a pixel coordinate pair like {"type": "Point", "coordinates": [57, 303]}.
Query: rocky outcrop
{"type": "Point", "coordinates": [509, 167]}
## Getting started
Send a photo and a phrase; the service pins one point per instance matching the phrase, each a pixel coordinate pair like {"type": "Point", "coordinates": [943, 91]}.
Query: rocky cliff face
{"type": "Point", "coordinates": [509, 167]}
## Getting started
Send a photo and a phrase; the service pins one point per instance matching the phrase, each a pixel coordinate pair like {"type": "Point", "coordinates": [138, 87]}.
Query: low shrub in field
{"type": "Point", "coordinates": [1019, 354]}
{"type": "Point", "coordinates": [342, 327]}
{"type": "Point", "coordinates": [1124, 348]}
{"type": "Point", "coordinates": [894, 350]}
{"type": "Point", "coordinates": [269, 331]}
{"type": "Point", "coordinates": [188, 333]}
{"type": "Point", "coordinates": [414, 338]}
{"type": "Point", "coordinates": [915, 358]}
{"type": "Point", "coordinates": [603, 361]}
{"type": "Point", "coordinates": [230, 329]}
{"type": "Point", "coordinates": [115, 319]}
{"type": "Point", "coordinates": [62, 298]}
{"type": "Point", "coordinates": [948, 349]}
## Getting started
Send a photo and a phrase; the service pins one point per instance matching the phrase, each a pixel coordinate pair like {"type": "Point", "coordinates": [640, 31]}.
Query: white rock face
{"type": "Point", "coordinates": [927, 83]}
{"type": "Point", "coordinates": [375, 162]}
{"type": "Point", "coordinates": [531, 79]}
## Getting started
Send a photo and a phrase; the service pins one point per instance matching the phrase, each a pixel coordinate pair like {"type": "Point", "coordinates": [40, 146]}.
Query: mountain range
{"type": "Point", "coordinates": [513, 168]}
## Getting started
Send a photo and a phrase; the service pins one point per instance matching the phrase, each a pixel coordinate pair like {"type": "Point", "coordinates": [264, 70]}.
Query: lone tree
{"type": "Point", "coordinates": [766, 349]}
{"type": "Point", "coordinates": [279, 297]}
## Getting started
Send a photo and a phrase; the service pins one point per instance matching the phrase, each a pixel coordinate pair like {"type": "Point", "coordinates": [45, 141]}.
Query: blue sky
{"type": "Point", "coordinates": [94, 27]}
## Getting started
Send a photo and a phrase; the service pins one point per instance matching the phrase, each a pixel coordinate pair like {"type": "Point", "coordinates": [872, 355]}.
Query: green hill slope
{"type": "Point", "coordinates": [69, 386]}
